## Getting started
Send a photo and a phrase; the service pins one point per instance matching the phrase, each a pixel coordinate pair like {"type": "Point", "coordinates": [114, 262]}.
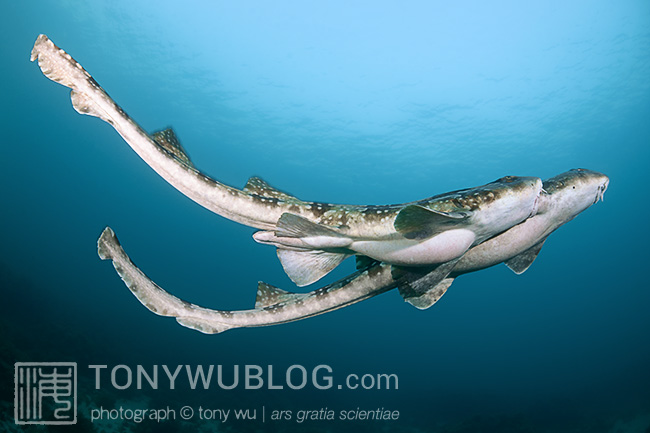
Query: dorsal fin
{"type": "Point", "coordinates": [268, 295]}
{"type": "Point", "coordinates": [167, 139]}
{"type": "Point", "coordinates": [519, 263]}
{"type": "Point", "coordinates": [258, 186]}
{"type": "Point", "coordinates": [418, 222]}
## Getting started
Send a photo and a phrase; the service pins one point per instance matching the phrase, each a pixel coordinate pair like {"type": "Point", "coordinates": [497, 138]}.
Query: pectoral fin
{"type": "Point", "coordinates": [431, 296]}
{"type": "Point", "coordinates": [268, 295]}
{"type": "Point", "coordinates": [364, 262]}
{"type": "Point", "coordinates": [309, 266]}
{"type": "Point", "coordinates": [520, 263]}
{"type": "Point", "coordinates": [418, 222]}
{"type": "Point", "coordinates": [423, 288]}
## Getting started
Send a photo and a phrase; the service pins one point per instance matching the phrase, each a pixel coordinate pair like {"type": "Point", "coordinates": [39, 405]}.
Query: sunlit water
{"type": "Point", "coordinates": [348, 103]}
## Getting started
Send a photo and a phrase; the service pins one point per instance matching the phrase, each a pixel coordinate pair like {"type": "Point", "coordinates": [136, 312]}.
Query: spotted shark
{"type": "Point", "coordinates": [565, 196]}
{"type": "Point", "coordinates": [311, 238]}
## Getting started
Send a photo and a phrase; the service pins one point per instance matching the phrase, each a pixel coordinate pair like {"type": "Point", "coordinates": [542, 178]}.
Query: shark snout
{"type": "Point", "coordinates": [592, 177]}
{"type": "Point", "coordinates": [601, 190]}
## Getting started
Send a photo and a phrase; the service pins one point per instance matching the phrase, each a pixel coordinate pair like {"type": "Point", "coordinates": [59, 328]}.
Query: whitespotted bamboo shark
{"type": "Point", "coordinates": [564, 197]}
{"type": "Point", "coordinates": [312, 238]}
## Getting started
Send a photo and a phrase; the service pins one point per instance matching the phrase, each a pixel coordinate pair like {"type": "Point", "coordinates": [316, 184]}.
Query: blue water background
{"type": "Point", "coordinates": [343, 102]}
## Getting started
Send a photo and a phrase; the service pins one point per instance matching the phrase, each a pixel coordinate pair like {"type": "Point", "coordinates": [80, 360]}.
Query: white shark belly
{"type": "Point", "coordinates": [508, 244]}
{"type": "Point", "coordinates": [441, 248]}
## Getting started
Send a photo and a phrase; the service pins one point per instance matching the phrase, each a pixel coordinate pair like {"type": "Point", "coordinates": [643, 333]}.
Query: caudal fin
{"type": "Point", "coordinates": [154, 298]}
{"type": "Point", "coordinates": [60, 67]}
{"type": "Point", "coordinates": [104, 243]}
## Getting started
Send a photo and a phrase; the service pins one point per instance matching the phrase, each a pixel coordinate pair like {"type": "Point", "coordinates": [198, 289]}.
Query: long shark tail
{"type": "Point", "coordinates": [60, 67]}
{"type": "Point", "coordinates": [153, 297]}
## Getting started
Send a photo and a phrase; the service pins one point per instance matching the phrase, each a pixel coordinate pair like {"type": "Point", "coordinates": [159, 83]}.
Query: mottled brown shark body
{"type": "Point", "coordinates": [565, 196]}
{"type": "Point", "coordinates": [312, 238]}
{"type": "Point", "coordinates": [431, 231]}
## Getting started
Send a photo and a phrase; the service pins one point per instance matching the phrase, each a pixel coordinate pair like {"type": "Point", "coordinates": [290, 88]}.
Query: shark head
{"type": "Point", "coordinates": [523, 189]}
{"type": "Point", "coordinates": [573, 192]}
{"type": "Point", "coordinates": [505, 202]}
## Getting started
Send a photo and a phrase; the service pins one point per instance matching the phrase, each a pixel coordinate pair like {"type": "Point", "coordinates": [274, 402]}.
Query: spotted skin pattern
{"type": "Point", "coordinates": [565, 196]}
{"type": "Point", "coordinates": [259, 206]}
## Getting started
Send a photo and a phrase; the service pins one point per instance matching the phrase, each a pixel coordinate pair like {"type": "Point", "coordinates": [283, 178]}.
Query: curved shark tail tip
{"type": "Point", "coordinates": [106, 241]}
{"type": "Point", "coordinates": [41, 39]}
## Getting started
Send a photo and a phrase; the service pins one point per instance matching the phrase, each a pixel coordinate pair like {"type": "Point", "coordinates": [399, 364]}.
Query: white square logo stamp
{"type": "Point", "coordinates": [45, 393]}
